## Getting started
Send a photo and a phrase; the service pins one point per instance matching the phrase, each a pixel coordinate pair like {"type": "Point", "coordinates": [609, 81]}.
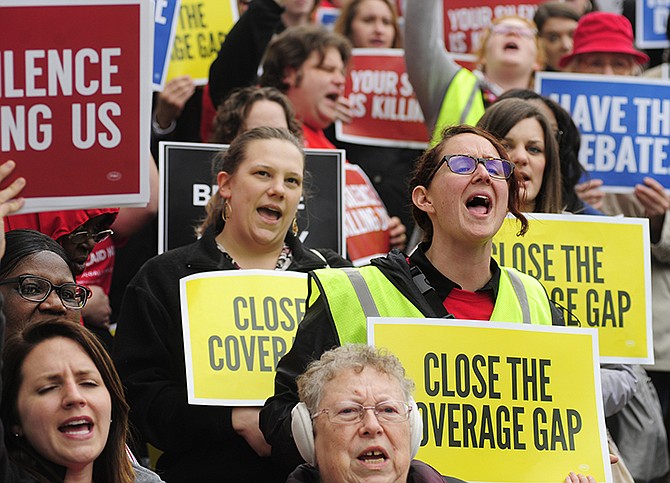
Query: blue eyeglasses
{"type": "Point", "coordinates": [466, 164]}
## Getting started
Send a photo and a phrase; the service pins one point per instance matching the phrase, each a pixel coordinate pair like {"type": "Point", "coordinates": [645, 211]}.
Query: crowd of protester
{"type": "Point", "coordinates": [83, 295]}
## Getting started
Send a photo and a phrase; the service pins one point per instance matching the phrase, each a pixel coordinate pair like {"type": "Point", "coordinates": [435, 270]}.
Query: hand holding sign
{"type": "Point", "coordinates": [8, 201]}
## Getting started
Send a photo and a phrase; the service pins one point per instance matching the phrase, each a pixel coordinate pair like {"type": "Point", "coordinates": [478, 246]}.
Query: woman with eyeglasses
{"type": "Point", "coordinates": [508, 56]}
{"type": "Point", "coordinates": [85, 235]}
{"type": "Point", "coordinates": [37, 281]}
{"type": "Point", "coordinates": [462, 189]}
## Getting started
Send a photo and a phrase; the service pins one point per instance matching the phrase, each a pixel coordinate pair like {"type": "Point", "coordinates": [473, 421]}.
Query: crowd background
{"type": "Point", "coordinates": [301, 68]}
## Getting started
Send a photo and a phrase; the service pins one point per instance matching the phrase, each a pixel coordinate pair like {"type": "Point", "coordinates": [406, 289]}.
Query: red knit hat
{"type": "Point", "coordinates": [603, 32]}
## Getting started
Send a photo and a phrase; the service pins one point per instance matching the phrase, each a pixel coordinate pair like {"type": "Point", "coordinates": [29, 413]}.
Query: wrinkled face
{"type": "Point", "coordinates": [606, 63]}
{"type": "Point", "coordinates": [525, 145]}
{"type": "Point", "coordinates": [372, 25]}
{"type": "Point", "coordinates": [511, 45]}
{"type": "Point", "coordinates": [366, 451]}
{"type": "Point", "coordinates": [464, 209]}
{"type": "Point", "coordinates": [263, 193]}
{"type": "Point", "coordinates": [556, 39]}
{"type": "Point", "coordinates": [314, 89]}
{"type": "Point", "coordinates": [21, 312]}
{"type": "Point", "coordinates": [78, 251]}
{"type": "Point", "coordinates": [265, 113]}
{"type": "Point", "coordinates": [63, 405]}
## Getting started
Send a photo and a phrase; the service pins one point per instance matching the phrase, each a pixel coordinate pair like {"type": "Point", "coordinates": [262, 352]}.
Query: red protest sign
{"type": "Point", "coordinates": [465, 21]}
{"type": "Point", "coordinates": [75, 87]}
{"type": "Point", "coordinates": [384, 108]}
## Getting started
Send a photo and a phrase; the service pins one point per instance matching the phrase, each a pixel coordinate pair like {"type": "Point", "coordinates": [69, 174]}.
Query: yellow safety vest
{"type": "Point", "coordinates": [353, 294]}
{"type": "Point", "coordinates": [462, 104]}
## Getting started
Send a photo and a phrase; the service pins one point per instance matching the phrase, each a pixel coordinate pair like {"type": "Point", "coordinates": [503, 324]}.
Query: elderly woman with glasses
{"type": "Point", "coordinates": [462, 189]}
{"type": "Point", "coordinates": [37, 281]}
{"type": "Point", "coordinates": [358, 420]}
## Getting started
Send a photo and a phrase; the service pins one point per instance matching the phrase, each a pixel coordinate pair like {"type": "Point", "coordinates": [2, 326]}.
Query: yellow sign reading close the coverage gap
{"type": "Point", "coordinates": [596, 267]}
{"type": "Point", "coordinates": [202, 26]}
{"type": "Point", "coordinates": [237, 325]}
{"type": "Point", "coordinates": [503, 402]}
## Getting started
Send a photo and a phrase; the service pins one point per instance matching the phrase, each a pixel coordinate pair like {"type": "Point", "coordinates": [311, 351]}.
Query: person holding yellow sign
{"type": "Point", "coordinates": [462, 189]}
{"type": "Point", "coordinates": [260, 179]}
{"type": "Point", "coordinates": [357, 419]}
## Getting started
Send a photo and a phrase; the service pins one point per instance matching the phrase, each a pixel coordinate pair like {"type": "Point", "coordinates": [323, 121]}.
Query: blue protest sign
{"type": "Point", "coordinates": [624, 122]}
{"type": "Point", "coordinates": [651, 20]}
{"type": "Point", "coordinates": [165, 21]}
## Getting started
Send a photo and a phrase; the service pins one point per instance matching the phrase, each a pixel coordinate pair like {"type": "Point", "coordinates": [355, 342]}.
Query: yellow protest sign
{"type": "Point", "coordinates": [503, 402]}
{"type": "Point", "coordinates": [201, 27]}
{"type": "Point", "coordinates": [598, 268]}
{"type": "Point", "coordinates": [237, 325]}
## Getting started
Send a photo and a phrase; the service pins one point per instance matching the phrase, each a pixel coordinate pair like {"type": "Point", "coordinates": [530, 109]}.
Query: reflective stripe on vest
{"type": "Point", "coordinates": [353, 294]}
{"type": "Point", "coordinates": [462, 104]}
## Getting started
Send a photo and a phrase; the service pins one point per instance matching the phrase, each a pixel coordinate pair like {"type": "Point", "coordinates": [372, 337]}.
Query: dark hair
{"type": "Point", "coordinates": [232, 113]}
{"type": "Point", "coordinates": [425, 171]}
{"type": "Point", "coordinates": [22, 243]}
{"type": "Point", "coordinates": [501, 117]}
{"type": "Point", "coordinates": [348, 13]}
{"type": "Point", "coordinates": [569, 141]}
{"type": "Point", "coordinates": [113, 464]}
{"type": "Point", "coordinates": [554, 10]}
{"type": "Point", "coordinates": [291, 48]}
{"type": "Point", "coordinates": [231, 159]}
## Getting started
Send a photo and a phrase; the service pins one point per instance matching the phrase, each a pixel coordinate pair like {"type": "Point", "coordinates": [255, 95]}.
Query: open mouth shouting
{"type": "Point", "coordinates": [479, 204]}
{"type": "Point", "coordinates": [270, 213]}
{"type": "Point", "coordinates": [77, 427]}
{"type": "Point", "coordinates": [511, 45]}
{"type": "Point", "coordinates": [373, 457]}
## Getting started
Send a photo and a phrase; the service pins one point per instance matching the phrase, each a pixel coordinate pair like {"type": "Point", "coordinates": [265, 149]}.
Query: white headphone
{"type": "Point", "coordinates": [303, 431]}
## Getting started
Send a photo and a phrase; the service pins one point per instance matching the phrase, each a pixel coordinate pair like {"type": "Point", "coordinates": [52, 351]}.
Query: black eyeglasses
{"type": "Point", "coordinates": [37, 289]}
{"type": "Point", "coordinates": [466, 164]}
{"type": "Point", "coordinates": [349, 412]}
{"type": "Point", "coordinates": [83, 235]}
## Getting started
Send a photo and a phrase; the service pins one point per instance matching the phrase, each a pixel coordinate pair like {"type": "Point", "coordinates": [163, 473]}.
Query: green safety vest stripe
{"type": "Point", "coordinates": [348, 294]}
{"type": "Point", "coordinates": [462, 104]}
{"type": "Point", "coordinates": [353, 294]}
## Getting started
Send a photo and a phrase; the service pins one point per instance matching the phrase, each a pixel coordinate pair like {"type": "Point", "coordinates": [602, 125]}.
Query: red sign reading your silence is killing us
{"type": "Point", "coordinates": [384, 108]}
{"type": "Point", "coordinates": [466, 20]}
{"type": "Point", "coordinates": [74, 100]}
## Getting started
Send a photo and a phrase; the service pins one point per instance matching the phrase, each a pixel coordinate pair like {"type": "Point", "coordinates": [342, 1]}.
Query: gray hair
{"type": "Point", "coordinates": [350, 356]}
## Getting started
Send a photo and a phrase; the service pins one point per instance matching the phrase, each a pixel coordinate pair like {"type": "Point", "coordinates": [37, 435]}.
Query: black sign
{"type": "Point", "coordinates": [187, 184]}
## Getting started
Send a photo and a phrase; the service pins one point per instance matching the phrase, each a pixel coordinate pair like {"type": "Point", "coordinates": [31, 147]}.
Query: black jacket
{"type": "Point", "coordinates": [198, 442]}
{"type": "Point", "coordinates": [419, 472]}
{"type": "Point", "coordinates": [236, 64]}
{"type": "Point", "coordinates": [317, 334]}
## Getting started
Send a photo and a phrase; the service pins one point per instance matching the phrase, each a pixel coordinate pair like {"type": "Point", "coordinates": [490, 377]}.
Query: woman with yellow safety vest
{"type": "Point", "coordinates": [462, 189]}
{"type": "Point", "coordinates": [449, 94]}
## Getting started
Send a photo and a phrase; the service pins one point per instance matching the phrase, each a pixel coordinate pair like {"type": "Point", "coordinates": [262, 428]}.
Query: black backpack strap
{"type": "Point", "coordinates": [429, 293]}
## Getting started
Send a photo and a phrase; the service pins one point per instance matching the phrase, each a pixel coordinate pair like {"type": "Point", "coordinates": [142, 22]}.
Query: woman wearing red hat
{"type": "Point", "coordinates": [603, 44]}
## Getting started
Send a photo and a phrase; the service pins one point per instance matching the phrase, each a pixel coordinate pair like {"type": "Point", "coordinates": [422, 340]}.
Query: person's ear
{"type": "Point", "coordinates": [223, 180]}
{"type": "Point", "coordinates": [421, 199]}
{"type": "Point", "coordinates": [291, 77]}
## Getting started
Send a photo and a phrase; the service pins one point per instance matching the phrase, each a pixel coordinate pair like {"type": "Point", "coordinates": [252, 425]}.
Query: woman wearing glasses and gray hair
{"type": "Point", "coordinates": [462, 189]}
{"type": "Point", "coordinates": [358, 420]}
{"type": "Point", "coordinates": [37, 281]}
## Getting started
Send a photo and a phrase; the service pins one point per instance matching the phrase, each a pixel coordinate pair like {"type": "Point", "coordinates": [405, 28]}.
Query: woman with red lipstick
{"type": "Point", "coordinates": [64, 415]}
{"type": "Point", "coordinates": [260, 183]}
{"type": "Point", "coordinates": [462, 189]}
{"type": "Point", "coordinates": [527, 137]}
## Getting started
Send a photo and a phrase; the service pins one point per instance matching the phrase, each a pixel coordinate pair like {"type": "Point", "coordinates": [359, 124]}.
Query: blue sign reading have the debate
{"type": "Point", "coordinates": [624, 124]}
